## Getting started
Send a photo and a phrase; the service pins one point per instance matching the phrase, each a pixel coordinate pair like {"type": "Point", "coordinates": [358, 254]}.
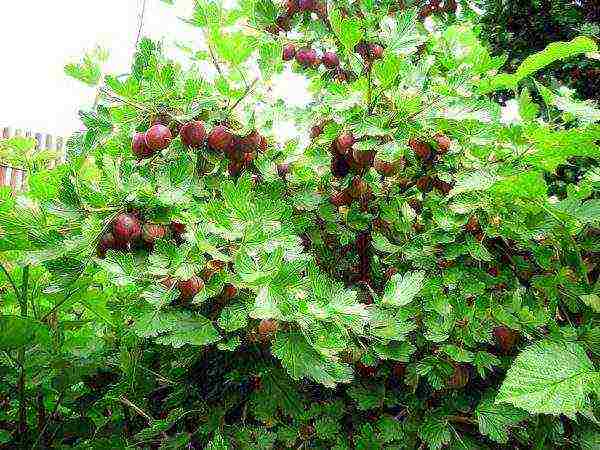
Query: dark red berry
{"type": "Point", "coordinates": [472, 225]}
{"type": "Point", "coordinates": [375, 51]}
{"type": "Point", "coordinates": [443, 143]}
{"type": "Point", "coordinates": [234, 168]}
{"type": "Point", "coordinates": [506, 338]}
{"type": "Point", "coordinates": [330, 60]}
{"type": "Point", "coordinates": [384, 168]}
{"type": "Point", "coordinates": [250, 142]}
{"type": "Point", "coordinates": [289, 51]}
{"type": "Point", "coordinates": [283, 169]}
{"type": "Point", "coordinates": [442, 186]}
{"type": "Point", "coordinates": [193, 134]}
{"type": "Point", "coordinates": [177, 227]}
{"type": "Point", "coordinates": [421, 149]}
{"type": "Point", "coordinates": [340, 199]}
{"type": "Point", "coordinates": [366, 371]}
{"type": "Point", "coordinates": [229, 291]}
{"type": "Point", "coordinates": [189, 288]}
{"type": "Point", "coordinates": [139, 147]}
{"type": "Point", "coordinates": [126, 228]}
{"type": "Point", "coordinates": [344, 142]}
{"type": "Point", "coordinates": [424, 184]}
{"type": "Point", "coordinates": [362, 48]}
{"type": "Point", "coordinates": [283, 22]}
{"type": "Point", "coordinates": [158, 137]}
{"type": "Point", "coordinates": [267, 329]}
{"type": "Point", "coordinates": [306, 5]}
{"type": "Point", "coordinates": [316, 131]}
{"type": "Point", "coordinates": [220, 138]}
{"type": "Point", "coordinates": [363, 158]}
{"type": "Point", "coordinates": [108, 242]}
{"type": "Point", "coordinates": [358, 188]}
{"type": "Point", "coordinates": [493, 271]}
{"type": "Point", "coordinates": [153, 231]}
{"type": "Point", "coordinates": [339, 166]}
{"type": "Point", "coordinates": [291, 7]}
{"type": "Point", "coordinates": [306, 57]}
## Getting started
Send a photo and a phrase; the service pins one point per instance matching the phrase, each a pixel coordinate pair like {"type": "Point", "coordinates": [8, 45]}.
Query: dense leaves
{"type": "Point", "coordinates": [411, 269]}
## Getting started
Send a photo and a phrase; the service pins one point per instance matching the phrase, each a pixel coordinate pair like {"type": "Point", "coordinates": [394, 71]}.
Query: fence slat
{"type": "Point", "coordinates": [17, 178]}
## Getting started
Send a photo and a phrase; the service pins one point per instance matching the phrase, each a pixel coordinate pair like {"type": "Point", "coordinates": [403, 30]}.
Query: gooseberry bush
{"type": "Point", "coordinates": [405, 273]}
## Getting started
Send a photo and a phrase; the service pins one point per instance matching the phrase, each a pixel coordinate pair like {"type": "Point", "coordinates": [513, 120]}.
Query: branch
{"type": "Point", "coordinates": [244, 95]}
{"type": "Point", "coordinates": [14, 286]}
{"type": "Point", "coordinates": [141, 24]}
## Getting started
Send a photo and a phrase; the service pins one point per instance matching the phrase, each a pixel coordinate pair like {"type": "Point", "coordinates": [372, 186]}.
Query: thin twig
{"type": "Point", "coordinates": [14, 286]}
{"type": "Point", "coordinates": [244, 95]}
{"type": "Point", "coordinates": [141, 412]}
{"type": "Point", "coordinates": [141, 24]}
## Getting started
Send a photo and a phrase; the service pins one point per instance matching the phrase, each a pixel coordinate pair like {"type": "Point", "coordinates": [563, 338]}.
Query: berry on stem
{"type": "Point", "coordinates": [339, 166]}
{"type": "Point", "coordinates": [384, 168]}
{"type": "Point", "coordinates": [340, 199]}
{"type": "Point", "coordinates": [126, 228]}
{"type": "Point", "coordinates": [330, 60]}
{"type": "Point", "coordinates": [344, 142]}
{"type": "Point", "coordinates": [443, 142]}
{"type": "Point", "coordinates": [139, 147]}
{"type": "Point", "coordinates": [267, 329]}
{"type": "Point", "coordinates": [189, 288]}
{"type": "Point", "coordinates": [107, 242]}
{"type": "Point", "coordinates": [375, 51]}
{"type": "Point", "coordinates": [506, 338]}
{"type": "Point", "coordinates": [220, 138]}
{"type": "Point", "coordinates": [289, 51]}
{"type": "Point", "coordinates": [421, 149]}
{"type": "Point", "coordinates": [153, 231]}
{"type": "Point", "coordinates": [306, 5]}
{"type": "Point", "coordinates": [158, 137]}
{"type": "Point", "coordinates": [193, 134]}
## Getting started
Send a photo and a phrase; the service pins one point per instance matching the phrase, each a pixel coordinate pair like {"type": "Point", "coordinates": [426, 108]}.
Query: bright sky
{"type": "Point", "coordinates": [39, 37]}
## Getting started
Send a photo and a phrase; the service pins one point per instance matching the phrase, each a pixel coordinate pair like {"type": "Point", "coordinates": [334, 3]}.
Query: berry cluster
{"type": "Point", "coordinates": [128, 231]}
{"type": "Point", "coordinates": [240, 150]}
{"type": "Point", "coordinates": [429, 156]}
{"type": "Point", "coordinates": [291, 7]}
{"type": "Point", "coordinates": [369, 52]}
{"type": "Point", "coordinates": [308, 58]}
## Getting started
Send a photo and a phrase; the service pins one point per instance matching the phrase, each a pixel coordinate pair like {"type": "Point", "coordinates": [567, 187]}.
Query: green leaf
{"type": "Point", "coordinates": [400, 290]}
{"type": "Point", "coordinates": [550, 378]}
{"type": "Point", "coordinates": [473, 181]}
{"type": "Point", "coordinates": [347, 29]}
{"type": "Point", "coordinates": [552, 53]}
{"type": "Point", "coordinates": [495, 420]}
{"type": "Point", "coordinates": [89, 70]}
{"type": "Point", "coordinates": [18, 332]}
{"type": "Point", "coordinates": [301, 360]}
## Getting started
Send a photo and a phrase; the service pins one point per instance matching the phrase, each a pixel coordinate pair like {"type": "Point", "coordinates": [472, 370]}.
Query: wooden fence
{"type": "Point", "coordinates": [17, 178]}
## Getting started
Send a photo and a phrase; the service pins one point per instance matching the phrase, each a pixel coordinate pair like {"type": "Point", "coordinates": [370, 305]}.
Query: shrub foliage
{"type": "Point", "coordinates": [403, 272]}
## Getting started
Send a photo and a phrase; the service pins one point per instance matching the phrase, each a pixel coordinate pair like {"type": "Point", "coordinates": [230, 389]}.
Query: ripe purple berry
{"type": "Point", "coordinates": [330, 60]}
{"type": "Point", "coordinates": [289, 51]}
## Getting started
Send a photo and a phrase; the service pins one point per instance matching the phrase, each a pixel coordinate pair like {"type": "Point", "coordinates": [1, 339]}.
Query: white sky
{"type": "Point", "coordinates": [39, 37]}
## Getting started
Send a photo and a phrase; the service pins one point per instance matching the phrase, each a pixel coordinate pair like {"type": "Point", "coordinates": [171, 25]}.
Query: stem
{"type": "Point", "coordinates": [21, 360]}
{"type": "Point", "coordinates": [141, 24]}
{"type": "Point", "coordinates": [244, 95]}
{"type": "Point", "coordinates": [141, 412]}
{"type": "Point", "coordinates": [11, 281]}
